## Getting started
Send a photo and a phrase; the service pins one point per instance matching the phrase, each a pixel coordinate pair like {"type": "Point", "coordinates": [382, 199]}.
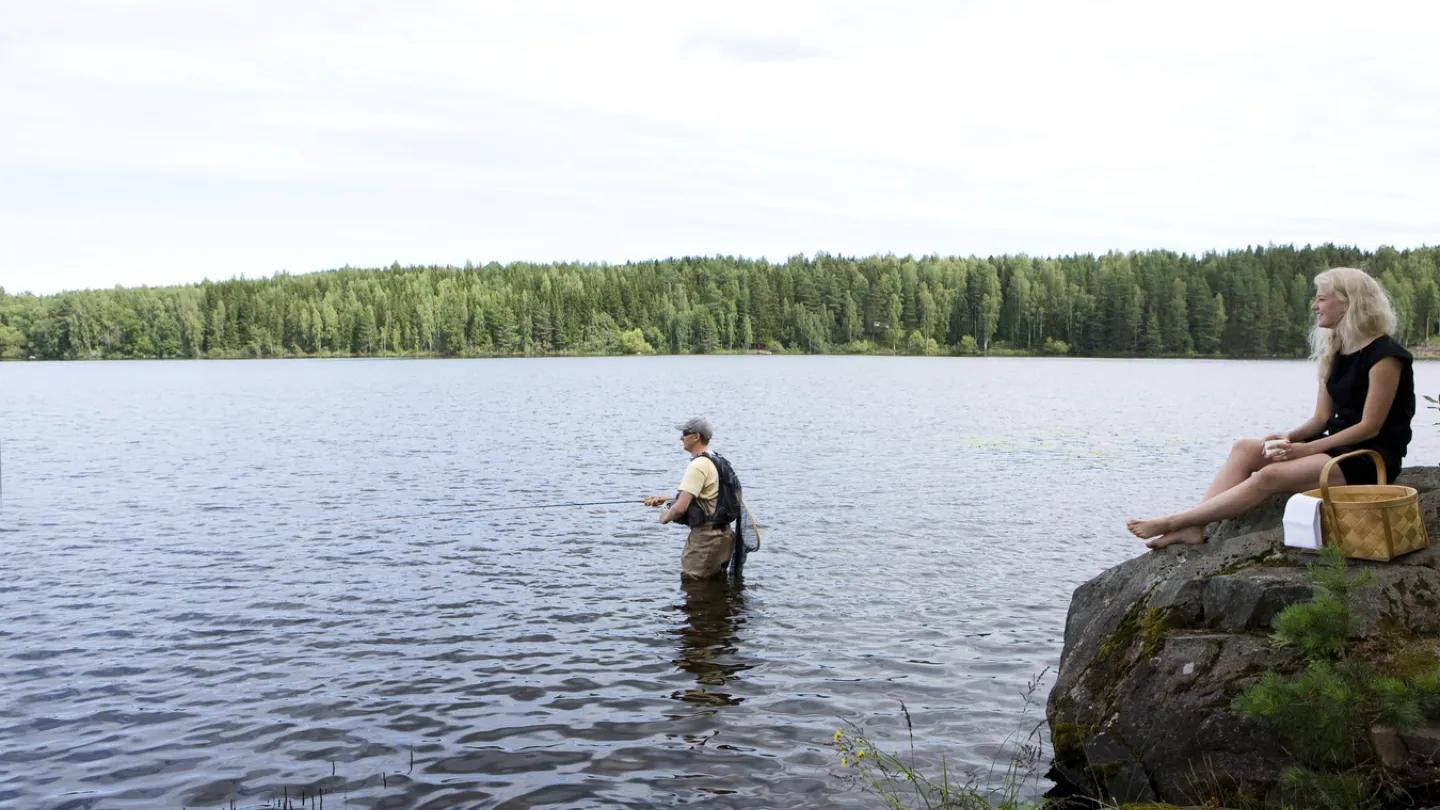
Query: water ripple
{"type": "Point", "coordinates": [180, 628]}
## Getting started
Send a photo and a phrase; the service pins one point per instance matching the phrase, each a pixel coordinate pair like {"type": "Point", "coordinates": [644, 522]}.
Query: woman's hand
{"type": "Point", "coordinates": [1295, 450]}
{"type": "Point", "coordinates": [1276, 448]}
{"type": "Point", "coordinates": [1273, 436]}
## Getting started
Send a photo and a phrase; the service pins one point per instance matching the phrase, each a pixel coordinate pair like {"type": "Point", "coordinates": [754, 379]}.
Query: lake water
{"type": "Point", "coordinates": [179, 626]}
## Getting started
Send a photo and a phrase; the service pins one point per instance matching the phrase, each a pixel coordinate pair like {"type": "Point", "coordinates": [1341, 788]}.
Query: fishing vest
{"type": "Point", "coordinates": [727, 503]}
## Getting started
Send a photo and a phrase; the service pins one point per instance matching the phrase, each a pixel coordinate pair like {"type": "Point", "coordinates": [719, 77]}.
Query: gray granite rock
{"type": "Point", "coordinates": [1157, 647]}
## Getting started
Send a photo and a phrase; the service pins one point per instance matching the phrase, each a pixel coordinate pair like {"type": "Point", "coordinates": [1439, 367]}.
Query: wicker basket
{"type": "Point", "coordinates": [1370, 522]}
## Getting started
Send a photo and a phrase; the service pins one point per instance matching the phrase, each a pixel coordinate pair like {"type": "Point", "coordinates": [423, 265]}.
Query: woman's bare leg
{"type": "Point", "coordinates": [1246, 457]}
{"type": "Point", "coordinates": [1281, 476]}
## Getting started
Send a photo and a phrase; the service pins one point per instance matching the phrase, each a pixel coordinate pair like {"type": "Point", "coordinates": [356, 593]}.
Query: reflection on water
{"type": "Point", "coordinates": [708, 640]}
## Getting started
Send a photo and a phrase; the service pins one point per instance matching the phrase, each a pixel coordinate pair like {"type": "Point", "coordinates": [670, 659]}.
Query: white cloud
{"type": "Point", "coordinates": [157, 142]}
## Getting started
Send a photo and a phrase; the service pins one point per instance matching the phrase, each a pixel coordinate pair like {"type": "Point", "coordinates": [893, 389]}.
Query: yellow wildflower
{"type": "Point", "coordinates": [837, 735]}
{"type": "Point", "coordinates": [843, 762]}
{"type": "Point", "coordinates": [860, 755]}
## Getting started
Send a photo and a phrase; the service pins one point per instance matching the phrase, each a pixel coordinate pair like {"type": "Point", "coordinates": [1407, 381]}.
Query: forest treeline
{"type": "Point", "coordinates": [1242, 303]}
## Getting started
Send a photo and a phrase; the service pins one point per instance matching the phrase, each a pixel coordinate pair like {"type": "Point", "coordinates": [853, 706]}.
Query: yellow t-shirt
{"type": "Point", "coordinates": [702, 481]}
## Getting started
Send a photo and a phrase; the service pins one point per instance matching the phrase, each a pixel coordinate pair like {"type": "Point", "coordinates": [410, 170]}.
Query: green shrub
{"type": "Point", "coordinates": [633, 342]}
{"type": "Point", "coordinates": [1326, 712]}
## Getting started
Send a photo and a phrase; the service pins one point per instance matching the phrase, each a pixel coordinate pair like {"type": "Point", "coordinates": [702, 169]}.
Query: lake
{"type": "Point", "coordinates": [191, 613]}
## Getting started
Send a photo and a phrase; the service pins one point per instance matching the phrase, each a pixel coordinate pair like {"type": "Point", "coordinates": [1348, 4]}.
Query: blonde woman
{"type": "Point", "coordinates": [1366, 400]}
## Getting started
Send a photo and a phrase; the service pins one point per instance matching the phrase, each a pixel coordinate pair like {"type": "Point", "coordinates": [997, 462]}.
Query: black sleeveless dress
{"type": "Point", "coordinates": [1348, 385]}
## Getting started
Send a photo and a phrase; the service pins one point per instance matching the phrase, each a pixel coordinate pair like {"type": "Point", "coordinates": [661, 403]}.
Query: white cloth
{"type": "Point", "coordinates": [1302, 522]}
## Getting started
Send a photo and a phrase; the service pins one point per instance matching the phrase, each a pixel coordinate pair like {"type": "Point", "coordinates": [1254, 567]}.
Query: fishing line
{"type": "Point", "coordinates": [478, 511]}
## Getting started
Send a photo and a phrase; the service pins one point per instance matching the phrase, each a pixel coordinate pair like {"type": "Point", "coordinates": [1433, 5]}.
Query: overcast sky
{"type": "Point", "coordinates": [159, 142]}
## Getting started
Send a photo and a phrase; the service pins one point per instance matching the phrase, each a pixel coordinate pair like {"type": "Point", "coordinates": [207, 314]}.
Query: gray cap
{"type": "Point", "coordinates": [697, 425]}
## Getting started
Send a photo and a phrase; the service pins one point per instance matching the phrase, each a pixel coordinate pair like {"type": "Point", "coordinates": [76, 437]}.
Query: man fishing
{"type": "Point", "coordinates": [708, 548]}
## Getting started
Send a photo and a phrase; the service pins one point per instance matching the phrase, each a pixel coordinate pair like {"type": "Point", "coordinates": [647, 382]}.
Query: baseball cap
{"type": "Point", "coordinates": [697, 425]}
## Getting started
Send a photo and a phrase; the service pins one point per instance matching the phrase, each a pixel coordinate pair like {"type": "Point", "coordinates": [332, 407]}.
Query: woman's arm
{"type": "Point", "coordinates": [1384, 382]}
{"type": "Point", "coordinates": [1315, 425]}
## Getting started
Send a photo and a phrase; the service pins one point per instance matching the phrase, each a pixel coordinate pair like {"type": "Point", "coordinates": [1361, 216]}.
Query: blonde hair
{"type": "Point", "coordinates": [1368, 315]}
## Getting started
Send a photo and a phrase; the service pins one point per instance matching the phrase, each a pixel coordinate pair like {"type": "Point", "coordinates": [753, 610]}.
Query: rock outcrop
{"type": "Point", "coordinates": [1157, 647]}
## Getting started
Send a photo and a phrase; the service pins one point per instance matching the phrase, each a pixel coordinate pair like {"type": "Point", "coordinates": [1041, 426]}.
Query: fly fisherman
{"type": "Point", "coordinates": [708, 548]}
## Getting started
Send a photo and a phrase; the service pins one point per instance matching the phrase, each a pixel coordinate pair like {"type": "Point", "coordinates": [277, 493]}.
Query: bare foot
{"type": "Point", "coordinates": [1190, 535]}
{"type": "Point", "coordinates": [1146, 529]}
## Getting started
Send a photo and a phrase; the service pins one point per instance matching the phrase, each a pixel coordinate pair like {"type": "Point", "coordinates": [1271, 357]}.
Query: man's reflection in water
{"type": "Point", "coordinates": [714, 610]}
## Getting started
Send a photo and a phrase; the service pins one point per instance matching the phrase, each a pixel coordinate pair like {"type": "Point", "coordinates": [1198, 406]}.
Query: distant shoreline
{"type": "Point", "coordinates": [1251, 303]}
{"type": "Point", "coordinates": [1421, 353]}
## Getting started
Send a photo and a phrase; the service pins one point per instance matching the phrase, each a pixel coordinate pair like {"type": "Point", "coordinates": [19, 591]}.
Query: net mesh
{"type": "Point", "coordinates": [747, 539]}
{"type": "Point", "coordinates": [747, 529]}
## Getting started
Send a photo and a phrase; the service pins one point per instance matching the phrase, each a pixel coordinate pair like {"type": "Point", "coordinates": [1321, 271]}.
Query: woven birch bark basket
{"type": "Point", "coordinates": [1370, 521]}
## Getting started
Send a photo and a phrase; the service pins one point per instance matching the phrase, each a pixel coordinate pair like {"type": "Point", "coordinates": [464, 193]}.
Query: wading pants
{"type": "Point", "coordinates": [707, 550]}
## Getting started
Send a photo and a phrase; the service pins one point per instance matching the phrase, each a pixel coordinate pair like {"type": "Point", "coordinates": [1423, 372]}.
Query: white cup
{"type": "Point", "coordinates": [1276, 447]}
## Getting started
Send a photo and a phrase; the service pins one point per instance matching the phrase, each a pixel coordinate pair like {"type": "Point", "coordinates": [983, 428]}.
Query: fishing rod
{"type": "Point", "coordinates": [477, 511]}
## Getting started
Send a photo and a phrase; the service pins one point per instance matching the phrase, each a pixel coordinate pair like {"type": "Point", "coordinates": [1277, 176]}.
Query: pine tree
{"type": "Point", "coordinates": [1427, 304]}
{"type": "Point", "coordinates": [1325, 713]}
{"type": "Point", "coordinates": [1151, 339]}
{"type": "Point", "coordinates": [895, 326]}
{"type": "Point", "coordinates": [1176, 325]}
{"type": "Point", "coordinates": [987, 313]}
{"type": "Point", "coordinates": [365, 330]}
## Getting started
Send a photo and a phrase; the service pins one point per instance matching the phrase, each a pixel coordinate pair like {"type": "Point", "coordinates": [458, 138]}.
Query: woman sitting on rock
{"type": "Point", "coordinates": [1366, 400]}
